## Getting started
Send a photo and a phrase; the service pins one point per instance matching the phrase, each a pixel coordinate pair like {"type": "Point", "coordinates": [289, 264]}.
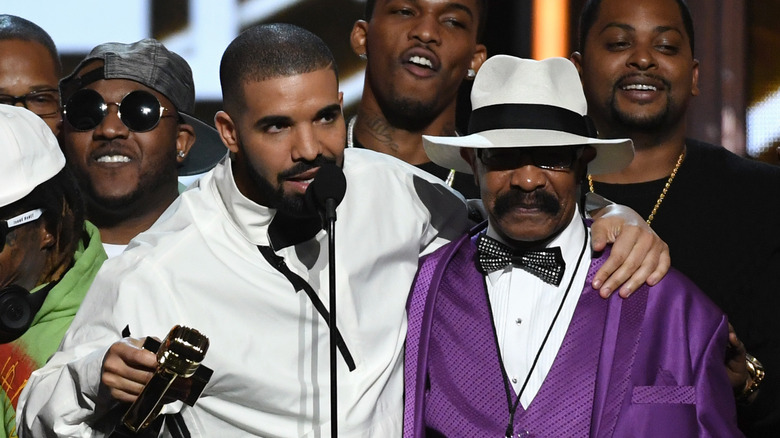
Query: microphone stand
{"type": "Point", "coordinates": [330, 220]}
{"type": "Point", "coordinates": [324, 194]}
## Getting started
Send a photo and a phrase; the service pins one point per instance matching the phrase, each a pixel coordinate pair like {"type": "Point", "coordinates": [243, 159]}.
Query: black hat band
{"type": "Point", "coordinates": [530, 116]}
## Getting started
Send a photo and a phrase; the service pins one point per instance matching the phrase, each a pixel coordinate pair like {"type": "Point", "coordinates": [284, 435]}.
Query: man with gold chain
{"type": "Point", "coordinates": [718, 212]}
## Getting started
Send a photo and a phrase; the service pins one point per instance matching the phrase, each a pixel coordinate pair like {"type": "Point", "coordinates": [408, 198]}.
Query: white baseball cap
{"type": "Point", "coordinates": [29, 153]}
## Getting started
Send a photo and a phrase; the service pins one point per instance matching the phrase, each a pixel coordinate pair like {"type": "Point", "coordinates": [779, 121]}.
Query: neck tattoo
{"type": "Point", "coordinates": [663, 192]}
{"type": "Point", "coordinates": [450, 180]}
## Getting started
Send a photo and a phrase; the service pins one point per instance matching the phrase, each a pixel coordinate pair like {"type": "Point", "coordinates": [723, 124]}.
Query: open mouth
{"type": "Point", "coordinates": [113, 159]}
{"type": "Point", "coordinates": [302, 180]}
{"type": "Point", "coordinates": [113, 152]}
{"type": "Point", "coordinates": [421, 61]}
{"type": "Point", "coordinates": [639, 87]}
{"type": "Point", "coordinates": [642, 83]}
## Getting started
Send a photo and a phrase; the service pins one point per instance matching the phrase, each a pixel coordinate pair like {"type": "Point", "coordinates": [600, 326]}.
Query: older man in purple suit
{"type": "Point", "coordinates": [506, 336]}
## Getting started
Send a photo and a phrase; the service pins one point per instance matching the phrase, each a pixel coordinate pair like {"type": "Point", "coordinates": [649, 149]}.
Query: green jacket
{"type": "Point", "coordinates": [21, 357]}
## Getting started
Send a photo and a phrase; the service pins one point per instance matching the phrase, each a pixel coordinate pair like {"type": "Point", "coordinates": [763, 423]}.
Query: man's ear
{"type": "Point", "coordinates": [227, 130]}
{"type": "Point", "coordinates": [695, 78]}
{"type": "Point", "coordinates": [588, 154]}
{"type": "Point", "coordinates": [185, 138]}
{"type": "Point", "coordinates": [478, 58]}
{"type": "Point", "coordinates": [576, 59]}
{"type": "Point", "coordinates": [55, 258]}
{"type": "Point", "coordinates": [47, 239]}
{"type": "Point", "coordinates": [470, 155]}
{"type": "Point", "coordinates": [357, 38]}
{"type": "Point", "coordinates": [58, 125]}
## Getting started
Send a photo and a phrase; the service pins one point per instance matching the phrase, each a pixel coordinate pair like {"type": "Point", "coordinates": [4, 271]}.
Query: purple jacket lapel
{"type": "Point", "coordinates": [618, 351]}
{"type": "Point", "coordinates": [660, 370]}
{"type": "Point", "coordinates": [420, 313]}
{"type": "Point", "coordinates": [575, 380]}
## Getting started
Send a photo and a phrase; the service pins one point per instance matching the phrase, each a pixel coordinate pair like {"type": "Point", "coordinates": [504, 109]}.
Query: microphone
{"type": "Point", "coordinates": [178, 357]}
{"type": "Point", "coordinates": [327, 191]}
{"type": "Point", "coordinates": [324, 194]}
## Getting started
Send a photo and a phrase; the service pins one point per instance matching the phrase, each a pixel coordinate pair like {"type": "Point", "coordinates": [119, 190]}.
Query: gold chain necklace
{"type": "Point", "coordinates": [663, 192]}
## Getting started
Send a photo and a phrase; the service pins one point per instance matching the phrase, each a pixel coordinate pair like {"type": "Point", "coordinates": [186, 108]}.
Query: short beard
{"type": "Point", "coordinates": [631, 122]}
{"type": "Point", "coordinates": [292, 205]}
{"type": "Point", "coordinates": [648, 124]}
{"type": "Point", "coordinates": [114, 209]}
{"type": "Point", "coordinates": [542, 200]}
{"type": "Point", "coordinates": [407, 113]}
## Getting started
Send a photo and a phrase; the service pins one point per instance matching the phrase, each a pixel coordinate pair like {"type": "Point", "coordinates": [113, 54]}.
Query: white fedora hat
{"type": "Point", "coordinates": [526, 103]}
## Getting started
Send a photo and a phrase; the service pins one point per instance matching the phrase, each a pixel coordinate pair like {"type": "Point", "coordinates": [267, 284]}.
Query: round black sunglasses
{"type": "Point", "coordinates": [139, 110]}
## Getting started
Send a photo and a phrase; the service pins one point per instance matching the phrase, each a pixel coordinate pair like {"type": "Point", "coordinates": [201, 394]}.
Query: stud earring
{"type": "Point", "coordinates": [363, 56]}
{"type": "Point", "coordinates": [471, 74]}
{"type": "Point", "coordinates": [181, 154]}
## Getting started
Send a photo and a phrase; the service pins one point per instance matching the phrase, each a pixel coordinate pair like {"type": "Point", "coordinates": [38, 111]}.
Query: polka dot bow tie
{"type": "Point", "coordinates": [547, 264]}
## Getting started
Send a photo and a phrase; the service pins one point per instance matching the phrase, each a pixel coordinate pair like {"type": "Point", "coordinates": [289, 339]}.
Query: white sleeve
{"type": "Point", "coordinates": [593, 202]}
{"type": "Point", "coordinates": [59, 399]}
{"type": "Point", "coordinates": [446, 211]}
{"type": "Point", "coordinates": [65, 398]}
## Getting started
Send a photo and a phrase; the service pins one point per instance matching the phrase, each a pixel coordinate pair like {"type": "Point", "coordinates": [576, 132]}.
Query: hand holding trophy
{"type": "Point", "coordinates": [179, 376]}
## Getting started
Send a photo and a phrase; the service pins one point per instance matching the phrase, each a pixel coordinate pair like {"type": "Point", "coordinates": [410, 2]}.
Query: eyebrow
{"type": "Point", "coordinates": [329, 110]}
{"type": "Point", "coordinates": [461, 7]}
{"type": "Point", "coordinates": [622, 26]}
{"type": "Point", "coordinates": [34, 88]}
{"type": "Point", "coordinates": [273, 120]}
{"type": "Point", "coordinates": [451, 6]}
{"type": "Point", "coordinates": [629, 28]}
{"type": "Point", "coordinates": [285, 120]}
{"type": "Point", "coordinates": [664, 29]}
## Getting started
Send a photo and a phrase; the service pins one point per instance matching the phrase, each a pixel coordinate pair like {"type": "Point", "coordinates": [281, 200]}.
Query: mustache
{"type": "Point", "coordinates": [542, 200]}
{"type": "Point", "coordinates": [304, 166]}
{"type": "Point", "coordinates": [112, 145]}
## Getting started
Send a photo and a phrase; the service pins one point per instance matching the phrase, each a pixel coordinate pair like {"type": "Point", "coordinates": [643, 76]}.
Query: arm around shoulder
{"type": "Point", "coordinates": [638, 255]}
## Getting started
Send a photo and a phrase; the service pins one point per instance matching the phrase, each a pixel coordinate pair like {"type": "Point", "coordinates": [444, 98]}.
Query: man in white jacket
{"type": "Point", "coordinates": [233, 254]}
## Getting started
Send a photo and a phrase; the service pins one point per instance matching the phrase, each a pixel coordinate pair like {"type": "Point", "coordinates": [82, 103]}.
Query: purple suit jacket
{"type": "Point", "coordinates": [650, 365]}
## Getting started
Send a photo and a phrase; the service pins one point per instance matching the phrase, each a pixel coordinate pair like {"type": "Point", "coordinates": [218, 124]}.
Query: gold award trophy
{"type": "Point", "coordinates": [178, 358]}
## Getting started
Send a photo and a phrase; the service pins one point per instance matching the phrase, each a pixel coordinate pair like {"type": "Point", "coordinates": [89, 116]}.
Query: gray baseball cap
{"type": "Point", "coordinates": [150, 63]}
